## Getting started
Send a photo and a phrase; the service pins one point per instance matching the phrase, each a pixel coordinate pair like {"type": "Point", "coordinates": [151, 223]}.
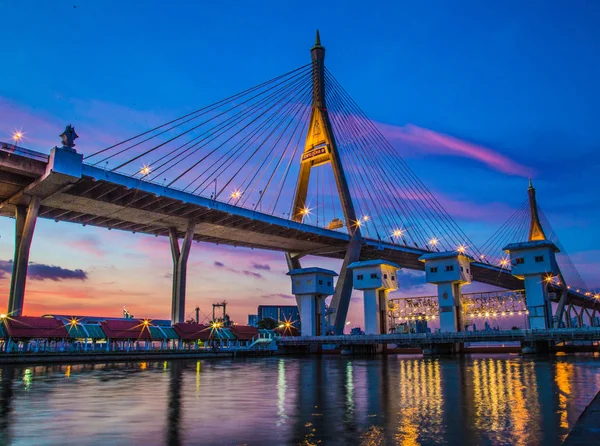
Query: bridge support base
{"type": "Point", "coordinates": [536, 347]}
{"type": "Point", "coordinates": [180, 258]}
{"type": "Point", "coordinates": [363, 350]}
{"type": "Point", "coordinates": [451, 348]}
{"type": "Point", "coordinates": [25, 218]}
{"type": "Point", "coordinates": [311, 286]}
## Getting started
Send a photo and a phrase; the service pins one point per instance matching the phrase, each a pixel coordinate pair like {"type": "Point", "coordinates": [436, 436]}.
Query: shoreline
{"type": "Point", "coordinates": [98, 357]}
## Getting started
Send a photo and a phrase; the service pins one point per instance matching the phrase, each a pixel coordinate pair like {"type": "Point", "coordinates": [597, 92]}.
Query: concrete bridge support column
{"type": "Point", "coordinates": [568, 320]}
{"type": "Point", "coordinates": [579, 315]}
{"type": "Point", "coordinates": [449, 271]}
{"type": "Point", "coordinates": [311, 286]}
{"type": "Point", "coordinates": [25, 218]}
{"type": "Point", "coordinates": [376, 278]}
{"type": "Point", "coordinates": [535, 263]}
{"type": "Point", "coordinates": [180, 258]}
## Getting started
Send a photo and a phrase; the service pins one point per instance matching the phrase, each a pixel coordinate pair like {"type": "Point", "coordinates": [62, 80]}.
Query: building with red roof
{"type": "Point", "coordinates": [244, 332]}
{"type": "Point", "coordinates": [29, 327]}
{"type": "Point", "coordinates": [128, 330]}
{"type": "Point", "coordinates": [192, 332]}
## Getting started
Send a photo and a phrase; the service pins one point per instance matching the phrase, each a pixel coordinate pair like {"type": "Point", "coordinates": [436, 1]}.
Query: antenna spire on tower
{"type": "Point", "coordinates": [318, 40]}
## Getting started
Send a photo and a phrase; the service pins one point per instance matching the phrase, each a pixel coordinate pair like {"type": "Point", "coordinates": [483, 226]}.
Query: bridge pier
{"type": "Point", "coordinates": [536, 347]}
{"type": "Point", "coordinates": [180, 258]}
{"type": "Point", "coordinates": [25, 220]}
{"type": "Point", "coordinates": [449, 271]}
{"type": "Point", "coordinates": [535, 263]}
{"type": "Point", "coordinates": [311, 286]}
{"type": "Point", "coordinates": [442, 349]}
{"type": "Point", "coordinates": [376, 278]}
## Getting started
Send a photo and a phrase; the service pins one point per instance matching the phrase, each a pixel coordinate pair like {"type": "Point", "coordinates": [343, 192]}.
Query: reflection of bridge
{"type": "Point", "coordinates": [227, 174]}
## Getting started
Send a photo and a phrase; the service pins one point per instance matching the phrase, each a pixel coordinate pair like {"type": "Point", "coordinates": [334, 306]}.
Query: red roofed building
{"type": "Point", "coordinates": [244, 332]}
{"type": "Point", "coordinates": [126, 330]}
{"type": "Point", "coordinates": [192, 332]}
{"type": "Point", "coordinates": [29, 327]}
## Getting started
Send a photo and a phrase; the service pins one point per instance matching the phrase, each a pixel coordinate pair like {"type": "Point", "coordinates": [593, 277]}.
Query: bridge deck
{"type": "Point", "coordinates": [419, 339]}
{"type": "Point", "coordinates": [106, 199]}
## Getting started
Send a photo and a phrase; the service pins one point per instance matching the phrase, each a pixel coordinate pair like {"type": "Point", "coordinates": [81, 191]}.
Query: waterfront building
{"type": "Point", "coordinates": [279, 313]}
{"type": "Point", "coordinates": [253, 320]}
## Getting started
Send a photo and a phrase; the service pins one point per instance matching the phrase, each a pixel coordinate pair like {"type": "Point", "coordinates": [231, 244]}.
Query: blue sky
{"type": "Point", "coordinates": [512, 79]}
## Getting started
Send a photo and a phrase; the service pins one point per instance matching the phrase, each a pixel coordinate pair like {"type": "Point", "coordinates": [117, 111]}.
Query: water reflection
{"type": "Point", "coordinates": [174, 404]}
{"type": "Point", "coordinates": [316, 400]}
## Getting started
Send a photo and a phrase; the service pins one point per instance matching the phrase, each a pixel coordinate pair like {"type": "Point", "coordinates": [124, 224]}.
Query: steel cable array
{"type": "Point", "coordinates": [246, 150]}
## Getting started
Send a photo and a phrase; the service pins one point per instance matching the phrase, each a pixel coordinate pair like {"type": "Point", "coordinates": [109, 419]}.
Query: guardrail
{"type": "Point", "coordinates": [418, 339]}
{"type": "Point", "coordinates": [14, 149]}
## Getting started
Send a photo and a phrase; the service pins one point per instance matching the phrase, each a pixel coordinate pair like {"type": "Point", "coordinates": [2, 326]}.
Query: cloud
{"type": "Point", "coordinates": [439, 143]}
{"type": "Point", "coordinates": [88, 244]}
{"type": "Point", "coordinates": [39, 271]}
{"type": "Point", "coordinates": [274, 295]}
{"type": "Point", "coordinates": [264, 267]}
{"type": "Point", "coordinates": [252, 274]}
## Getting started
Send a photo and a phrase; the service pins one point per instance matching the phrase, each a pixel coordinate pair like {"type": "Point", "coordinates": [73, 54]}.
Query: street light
{"type": "Point", "coordinates": [17, 136]}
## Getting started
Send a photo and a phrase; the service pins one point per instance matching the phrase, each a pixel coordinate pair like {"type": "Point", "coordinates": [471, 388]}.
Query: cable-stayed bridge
{"type": "Point", "coordinates": [291, 165]}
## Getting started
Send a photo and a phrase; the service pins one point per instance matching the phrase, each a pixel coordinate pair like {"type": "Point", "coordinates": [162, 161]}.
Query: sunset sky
{"type": "Point", "coordinates": [476, 97]}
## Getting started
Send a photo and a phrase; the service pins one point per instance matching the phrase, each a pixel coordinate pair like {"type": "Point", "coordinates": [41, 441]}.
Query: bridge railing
{"type": "Point", "coordinates": [558, 334]}
{"type": "Point", "coordinates": [14, 149]}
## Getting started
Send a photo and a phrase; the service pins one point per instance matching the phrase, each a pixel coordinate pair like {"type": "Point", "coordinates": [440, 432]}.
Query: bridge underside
{"type": "Point", "coordinates": [114, 201]}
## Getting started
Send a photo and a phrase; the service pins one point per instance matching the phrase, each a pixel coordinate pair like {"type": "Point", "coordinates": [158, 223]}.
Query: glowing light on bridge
{"type": "Point", "coordinates": [398, 233]}
{"type": "Point", "coordinates": [305, 211]}
{"type": "Point", "coordinates": [3, 316]}
{"type": "Point", "coordinates": [17, 136]}
{"type": "Point", "coordinates": [236, 194]}
{"type": "Point", "coordinates": [462, 249]}
{"type": "Point", "coordinates": [596, 296]}
{"type": "Point", "coordinates": [434, 241]}
{"type": "Point", "coordinates": [504, 263]}
{"type": "Point", "coordinates": [145, 170]}
{"type": "Point", "coordinates": [366, 218]}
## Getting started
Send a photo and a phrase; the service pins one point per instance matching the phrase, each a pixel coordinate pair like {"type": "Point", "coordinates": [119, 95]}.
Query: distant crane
{"type": "Point", "coordinates": [225, 317]}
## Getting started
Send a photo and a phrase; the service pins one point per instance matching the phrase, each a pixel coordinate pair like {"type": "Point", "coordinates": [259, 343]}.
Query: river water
{"type": "Point", "coordinates": [477, 400]}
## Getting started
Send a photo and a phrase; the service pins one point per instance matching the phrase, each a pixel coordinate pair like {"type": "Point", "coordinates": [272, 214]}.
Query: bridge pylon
{"type": "Point", "coordinates": [534, 261]}
{"type": "Point", "coordinates": [320, 148]}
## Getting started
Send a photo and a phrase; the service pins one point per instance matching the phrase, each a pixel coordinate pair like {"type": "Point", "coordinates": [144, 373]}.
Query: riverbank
{"type": "Point", "coordinates": [83, 357]}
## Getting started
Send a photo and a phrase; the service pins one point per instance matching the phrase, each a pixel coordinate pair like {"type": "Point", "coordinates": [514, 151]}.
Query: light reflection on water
{"type": "Point", "coordinates": [310, 400]}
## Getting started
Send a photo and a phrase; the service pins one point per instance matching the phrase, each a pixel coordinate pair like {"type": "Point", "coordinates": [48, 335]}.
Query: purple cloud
{"type": "Point", "coordinates": [39, 271]}
{"type": "Point", "coordinates": [264, 267]}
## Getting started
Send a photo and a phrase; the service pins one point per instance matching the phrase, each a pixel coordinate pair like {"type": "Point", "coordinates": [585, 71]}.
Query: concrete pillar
{"type": "Point", "coordinates": [568, 321]}
{"type": "Point", "coordinates": [180, 258]}
{"type": "Point", "coordinates": [579, 315]}
{"type": "Point", "coordinates": [589, 316]}
{"type": "Point", "coordinates": [311, 286]}
{"type": "Point", "coordinates": [26, 219]}
{"type": "Point", "coordinates": [449, 271]}
{"type": "Point", "coordinates": [376, 278]}
{"type": "Point", "coordinates": [535, 263]}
